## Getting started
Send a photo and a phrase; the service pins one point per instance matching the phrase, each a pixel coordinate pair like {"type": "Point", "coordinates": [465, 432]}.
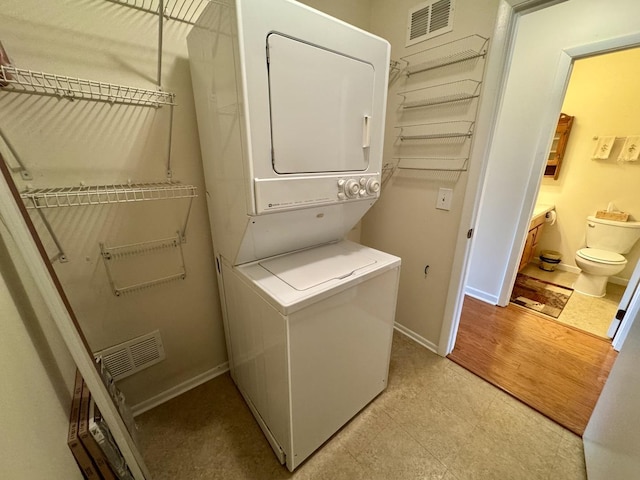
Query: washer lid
{"type": "Point", "coordinates": [602, 256]}
{"type": "Point", "coordinates": [309, 268]}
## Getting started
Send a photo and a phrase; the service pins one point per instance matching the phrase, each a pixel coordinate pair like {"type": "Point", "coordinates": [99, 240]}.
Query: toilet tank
{"type": "Point", "coordinates": [610, 235]}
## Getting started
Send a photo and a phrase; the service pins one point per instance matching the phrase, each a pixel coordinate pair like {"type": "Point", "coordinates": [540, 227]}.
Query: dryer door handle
{"type": "Point", "coordinates": [366, 131]}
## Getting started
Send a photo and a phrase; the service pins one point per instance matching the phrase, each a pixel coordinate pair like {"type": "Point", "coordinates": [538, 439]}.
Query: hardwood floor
{"type": "Point", "coordinates": [555, 369]}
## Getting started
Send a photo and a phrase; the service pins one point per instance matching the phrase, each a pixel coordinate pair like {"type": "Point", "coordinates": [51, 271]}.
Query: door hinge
{"type": "Point", "coordinates": [470, 233]}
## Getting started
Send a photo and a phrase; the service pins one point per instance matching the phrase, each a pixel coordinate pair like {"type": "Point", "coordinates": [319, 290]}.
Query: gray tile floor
{"type": "Point", "coordinates": [434, 421]}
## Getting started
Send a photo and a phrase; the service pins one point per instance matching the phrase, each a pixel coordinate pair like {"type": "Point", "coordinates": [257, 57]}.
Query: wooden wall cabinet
{"type": "Point", "coordinates": [558, 146]}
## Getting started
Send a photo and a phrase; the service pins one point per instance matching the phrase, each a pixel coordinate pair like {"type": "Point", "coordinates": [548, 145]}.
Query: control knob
{"type": "Point", "coordinates": [373, 186]}
{"type": "Point", "coordinates": [351, 188]}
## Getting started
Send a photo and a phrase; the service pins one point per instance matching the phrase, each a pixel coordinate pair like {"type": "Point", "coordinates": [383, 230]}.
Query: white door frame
{"type": "Point", "coordinates": [497, 70]}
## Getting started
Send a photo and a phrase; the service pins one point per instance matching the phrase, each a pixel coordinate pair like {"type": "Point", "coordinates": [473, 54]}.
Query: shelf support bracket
{"type": "Point", "coordinates": [24, 173]}
{"type": "Point", "coordinates": [60, 256]}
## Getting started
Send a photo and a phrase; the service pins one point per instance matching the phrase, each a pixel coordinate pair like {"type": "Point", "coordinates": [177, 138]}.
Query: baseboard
{"type": "Point", "coordinates": [568, 268]}
{"type": "Point", "coordinates": [179, 389]}
{"type": "Point", "coordinates": [619, 281]}
{"type": "Point", "coordinates": [416, 338]}
{"type": "Point", "coordinates": [480, 295]}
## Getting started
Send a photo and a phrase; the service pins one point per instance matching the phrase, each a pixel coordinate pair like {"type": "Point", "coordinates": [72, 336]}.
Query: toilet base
{"type": "Point", "coordinates": [592, 285]}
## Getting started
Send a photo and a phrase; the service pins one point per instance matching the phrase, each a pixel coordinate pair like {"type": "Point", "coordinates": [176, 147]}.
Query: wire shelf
{"type": "Point", "coordinates": [445, 132]}
{"type": "Point", "coordinates": [186, 11]}
{"type": "Point", "coordinates": [21, 80]}
{"type": "Point", "coordinates": [463, 49]}
{"type": "Point", "coordinates": [441, 164]}
{"type": "Point", "coordinates": [460, 91]}
{"type": "Point", "coordinates": [106, 194]}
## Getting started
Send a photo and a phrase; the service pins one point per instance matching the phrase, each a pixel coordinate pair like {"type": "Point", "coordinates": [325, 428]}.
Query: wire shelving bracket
{"type": "Point", "coordinates": [122, 252]}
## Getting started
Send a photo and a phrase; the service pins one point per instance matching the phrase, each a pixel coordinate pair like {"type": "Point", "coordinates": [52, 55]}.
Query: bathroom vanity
{"type": "Point", "coordinates": [533, 236]}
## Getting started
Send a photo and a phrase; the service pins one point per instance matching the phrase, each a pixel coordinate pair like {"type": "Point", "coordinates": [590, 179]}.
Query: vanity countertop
{"type": "Point", "coordinates": [541, 209]}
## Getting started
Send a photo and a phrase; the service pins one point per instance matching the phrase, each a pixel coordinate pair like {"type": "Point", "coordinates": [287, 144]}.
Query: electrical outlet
{"type": "Point", "coordinates": [444, 199]}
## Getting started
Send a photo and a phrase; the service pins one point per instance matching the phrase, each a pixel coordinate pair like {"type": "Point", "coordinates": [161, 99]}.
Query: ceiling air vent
{"type": "Point", "coordinates": [429, 20]}
{"type": "Point", "coordinates": [133, 355]}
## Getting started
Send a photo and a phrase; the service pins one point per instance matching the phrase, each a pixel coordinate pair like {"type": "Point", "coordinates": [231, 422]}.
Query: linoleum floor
{"type": "Point", "coordinates": [435, 420]}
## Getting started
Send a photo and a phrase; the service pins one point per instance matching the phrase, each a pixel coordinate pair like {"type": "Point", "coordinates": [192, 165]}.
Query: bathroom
{"type": "Point", "coordinates": [602, 105]}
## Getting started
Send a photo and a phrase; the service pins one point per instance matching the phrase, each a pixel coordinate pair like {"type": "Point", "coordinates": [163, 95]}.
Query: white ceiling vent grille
{"type": "Point", "coordinates": [133, 355]}
{"type": "Point", "coordinates": [429, 19]}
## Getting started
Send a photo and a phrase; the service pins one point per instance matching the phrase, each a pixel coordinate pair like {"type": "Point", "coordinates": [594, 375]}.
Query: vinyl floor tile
{"type": "Point", "coordinates": [434, 421]}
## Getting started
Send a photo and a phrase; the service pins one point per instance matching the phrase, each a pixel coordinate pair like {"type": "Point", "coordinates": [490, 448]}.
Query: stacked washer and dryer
{"type": "Point", "coordinates": [291, 105]}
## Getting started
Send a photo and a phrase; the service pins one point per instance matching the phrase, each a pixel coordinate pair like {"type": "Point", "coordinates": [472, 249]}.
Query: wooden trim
{"type": "Point", "coordinates": [21, 228]}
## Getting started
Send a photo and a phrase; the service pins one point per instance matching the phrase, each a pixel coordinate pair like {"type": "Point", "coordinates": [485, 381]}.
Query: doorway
{"type": "Point", "coordinates": [531, 99]}
{"type": "Point", "coordinates": [585, 184]}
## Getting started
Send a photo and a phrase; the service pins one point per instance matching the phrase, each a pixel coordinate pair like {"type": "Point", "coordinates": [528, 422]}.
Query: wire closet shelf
{"type": "Point", "coordinates": [456, 51]}
{"type": "Point", "coordinates": [105, 194]}
{"type": "Point", "coordinates": [186, 11]}
{"type": "Point", "coordinates": [21, 80]}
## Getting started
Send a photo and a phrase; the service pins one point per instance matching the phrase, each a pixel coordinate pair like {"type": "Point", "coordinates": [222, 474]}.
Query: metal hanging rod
{"type": "Point", "coordinates": [106, 194]}
{"type": "Point", "coordinates": [21, 80]}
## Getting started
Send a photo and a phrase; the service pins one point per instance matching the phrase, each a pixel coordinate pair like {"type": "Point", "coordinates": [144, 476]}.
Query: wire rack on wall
{"type": "Point", "coordinates": [186, 11]}
{"type": "Point", "coordinates": [458, 91]}
{"type": "Point", "coordinates": [105, 194]}
{"type": "Point", "coordinates": [456, 51]}
{"type": "Point", "coordinates": [441, 164]}
{"type": "Point", "coordinates": [21, 80]}
{"type": "Point", "coordinates": [112, 256]}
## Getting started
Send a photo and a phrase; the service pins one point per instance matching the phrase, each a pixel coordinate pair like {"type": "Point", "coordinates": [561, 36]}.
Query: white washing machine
{"type": "Point", "coordinates": [311, 338]}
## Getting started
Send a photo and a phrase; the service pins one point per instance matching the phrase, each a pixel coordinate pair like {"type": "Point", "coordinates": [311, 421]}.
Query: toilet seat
{"type": "Point", "coordinates": [601, 256]}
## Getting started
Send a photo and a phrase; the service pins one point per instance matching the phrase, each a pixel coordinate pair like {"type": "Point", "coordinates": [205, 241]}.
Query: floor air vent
{"type": "Point", "coordinates": [429, 19]}
{"type": "Point", "coordinates": [133, 355]}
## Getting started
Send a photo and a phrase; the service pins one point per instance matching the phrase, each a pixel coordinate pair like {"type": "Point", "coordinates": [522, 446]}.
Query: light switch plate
{"type": "Point", "coordinates": [445, 196]}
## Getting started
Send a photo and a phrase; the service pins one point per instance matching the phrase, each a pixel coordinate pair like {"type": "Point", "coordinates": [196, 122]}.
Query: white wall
{"type": "Point", "coordinates": [64, 143]}
{"type": "Point", "coordinates": [404, 221]}
{"type": "Point", "coordinates": [37, 376]}
{"type": "Point", "coordinates": [602, 105]}
{"type": "Point", "coordinates": [516, 159]}
{"type": "Point", "coordinates": [612, 437]}
{"type": "Point", "coordinates": [355, 12]}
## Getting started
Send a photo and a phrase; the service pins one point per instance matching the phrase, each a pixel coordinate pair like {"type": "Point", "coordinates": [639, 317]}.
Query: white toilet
{"type": "Point", "coordinates": [606, 241]}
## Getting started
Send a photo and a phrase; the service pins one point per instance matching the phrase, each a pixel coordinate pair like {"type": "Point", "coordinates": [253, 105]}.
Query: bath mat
{"type": "Point", "coordinates": [540, 296]}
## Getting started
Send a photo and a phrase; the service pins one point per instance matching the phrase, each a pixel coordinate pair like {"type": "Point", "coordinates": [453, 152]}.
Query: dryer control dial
{"type": "Point", "coordinates": [351, 188]}
{"type": "Point", "coordinates": [373, 186]}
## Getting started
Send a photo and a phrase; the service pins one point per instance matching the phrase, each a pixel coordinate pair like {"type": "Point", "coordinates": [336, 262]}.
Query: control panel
{"type": "Point", "coordinates": [288, 193]}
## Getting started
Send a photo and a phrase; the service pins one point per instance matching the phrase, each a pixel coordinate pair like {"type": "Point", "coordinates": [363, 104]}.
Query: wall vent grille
{"type": "Point", "coordinates": [429, 19]}
{"type": "Point", "coordinates": [133, 355]}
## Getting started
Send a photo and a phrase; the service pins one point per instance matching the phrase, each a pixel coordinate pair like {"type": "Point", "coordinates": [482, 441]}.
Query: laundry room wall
{"type": "Point", "coordinates": [69, 143]}
{"type": "Point", "coordinates": [602, 105]}
{"type": "Point", "coordinates": [37, 375]}
{"type": "Point", "coordinates": [405, 221]}
{"type": "Point", "coordinates": [355, 12]}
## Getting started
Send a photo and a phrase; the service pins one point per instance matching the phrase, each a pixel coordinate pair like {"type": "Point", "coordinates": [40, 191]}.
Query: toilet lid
{"type": "Point", "coordinates": [601, 256]}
